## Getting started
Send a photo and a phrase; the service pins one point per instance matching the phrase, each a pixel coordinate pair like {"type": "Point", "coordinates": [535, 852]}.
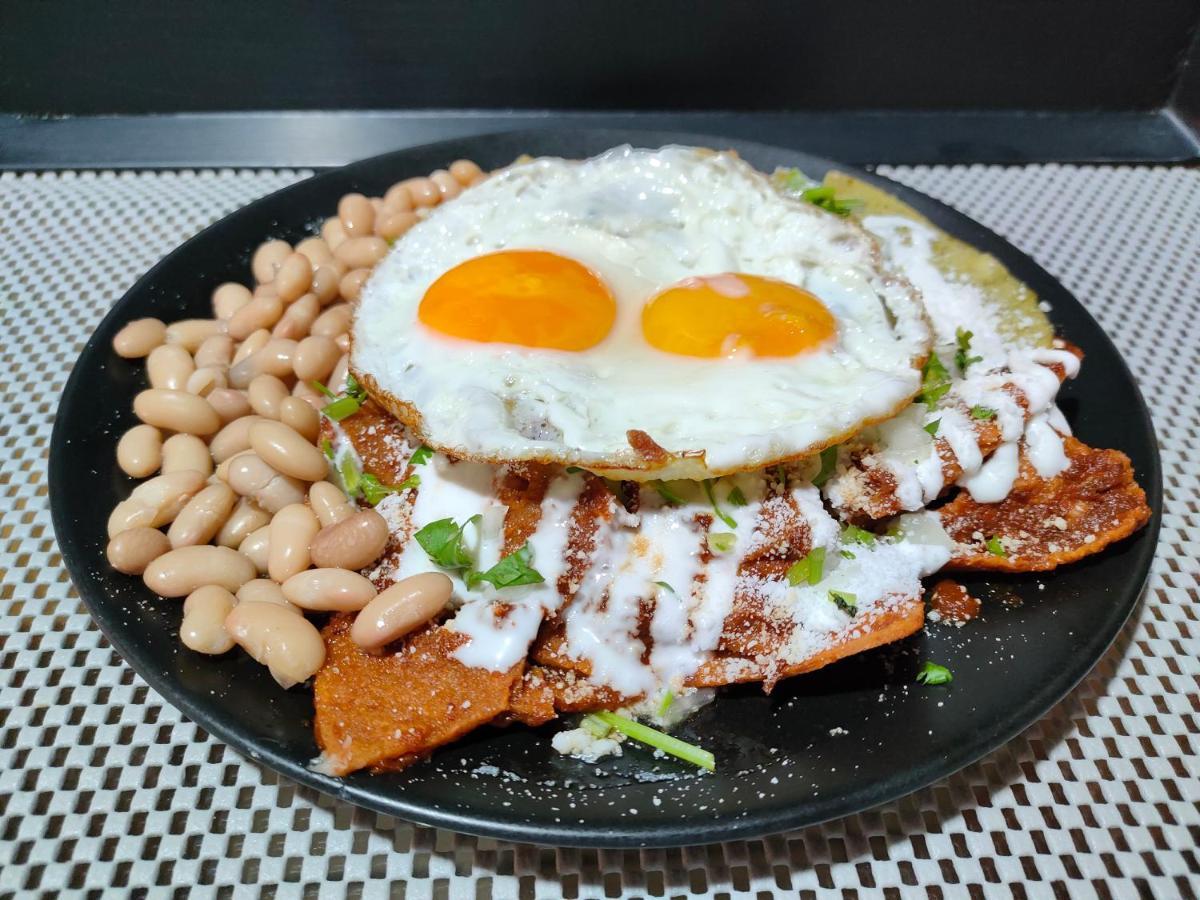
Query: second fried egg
{"type": "Point", "coordinates": [644, 314]}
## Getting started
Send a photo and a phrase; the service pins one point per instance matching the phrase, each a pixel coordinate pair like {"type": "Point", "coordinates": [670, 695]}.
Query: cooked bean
{"type": "Point", "coordinates": [177, 411]}
{"type": "Point", "coordinates": [292, 530]}
{"type": "Point", "coordinates": [399, 609]}
{"type": "Point", "coordinates": [156, 502]}
{"type": "Point", "coordinates": [361, 252]}
{"type": "Point", "coordinates": [293, 277]}
{"type": "Point", "coordinates": [333, 233]}
{"type": "Point", "coordinates": [397, 198]}
{"type": "Point", "coordinates": [390, 226]}
{"type": "Point", "coordinates": [222, 471]}
{"type": "Point", "coordinates": [191, 333]}
{"type": "Point", "coordinates": [424, 192]}
{"type": "Point", "coordinates": [275, 358]}
{"type": "Point", "coordinates": [303, 392]}
{"type": "Point", "coordinates": [337, 379]}
{"type": "Point", "coordinates": [139, 337]}
{"type": "Point", "coordinates": [228, 298]}
{"type": "Point", "coordinates": [287, 644]}
{"type": "Point", "coordinates": [446, 183]}
{"type": "Point", "coordinates": [329, 590]}
{"type": "Point", "coordinates": [182, 452]}
{"type": "Point", "coordinates": [351, 285]}
{"type": "Point", "coordinates": [478, 179]}
{"type": "Point", "coordinates": [260, 312]}
{"type": "Point", "coordinates": [246, 517]}
{"type": "Point", "coordinates": [265, 393]}
{"type": "Point", "coordinates": [357, 215]}
{"type": "Point", "coordinates": [130, 551]}
{"type": "Point", "coordinates": [464, 171]}
{"type": "Point", "coordinates": [251, 345]}
{"type": "Point", "coordinates": [256, 548]}
{"type": "Point", "coordinates": [287, 451]}
{"type": "Point", "coordinates": [316, 250]}
{"type": "Point", "coordinates": [228, 403]}
{"type": "Point", "coordinates": [203, 625]}
{"type": "Point", "coordinates": [297, 414]}
{"type": "Point", "coordinates": [268, 258]}
{"type": "Point", "coordinates": [251, 477]}
{"type": "Point", "coordinates": [298, 318]}
{"type": "Point", "coordinates": [217, 350]}
{"type": "Point", "coordinates": [343, 342]}
{"type": "Point", "coordinates": [169, 367]}
{"type": "Point", "coordinates": [233, 438]}
{"type": "Point", "coordinates": [325, 282]}
{"type": "Point", "coordinates": [353, 543]}
{"type": "Point", "coordinates": [334, 321]}
{"type": "Point", "coordinates": [329, 503]}
{"type": "Point", "coordinates": [202, 518]}
{"type": "Point", "coordinates": [264, 590]}
{"type": "Point", "coordinates": [315, 358]}
{"type": "Point", "coordinates": [205, 380]}
{"type": "Point", "coordinates": [139, 451]}
{"type": "Point", "coordinates": [179, 572]}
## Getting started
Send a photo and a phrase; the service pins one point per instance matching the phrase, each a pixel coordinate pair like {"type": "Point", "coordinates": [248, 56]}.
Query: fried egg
{"type": "Point", "coordinates": [643, 314]}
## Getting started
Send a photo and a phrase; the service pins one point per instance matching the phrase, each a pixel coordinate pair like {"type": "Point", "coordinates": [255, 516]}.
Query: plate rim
{"type": "Point", "coordinates": [914, 776]}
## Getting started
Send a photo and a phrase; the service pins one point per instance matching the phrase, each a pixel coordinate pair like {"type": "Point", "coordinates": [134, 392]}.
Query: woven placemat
{"type": "Point", "coordinates": [105, 789]}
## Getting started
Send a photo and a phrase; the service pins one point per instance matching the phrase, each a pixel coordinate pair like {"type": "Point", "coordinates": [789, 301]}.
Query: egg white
{"type": "Point", "coordinates": [643, 220]}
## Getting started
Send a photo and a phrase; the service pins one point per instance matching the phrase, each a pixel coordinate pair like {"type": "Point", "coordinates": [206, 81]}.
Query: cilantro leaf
{"type": "Point", "coordinates": [811, 568]}
{"type": "Point", "coordinates": [994, 547]}
{"type": "Point", "coordinates": [343, 405]}
{"type": "Point", "coordinates": [828, 463]}
{"type": "Point", "coordinates": [665, 586]}
{"type": "Point", "coordinates": [373, 490]}
{"type": "Point", "coordinates": [721, 541]}
{"type": "Point", "coordinates": [932, 427]}
{"type": "Point", "coordinates": [852, 534]}
{"type": "Point", "coordinates": [421, 456]}
{"type": "Point", "coordinates": [845, 601]}
{"type": "Point", "coordinates": [322, 390]}
{"type": "Point", "coordinates": [350, 475]}
{"type": "Point", "coordinates": [327, 448]}
{"type": "Point", "coordinates": [962, 357]}
{"type": "Point", "coordinates": [846, 554]}
{"type": "Point", "coordinates": [736, 497]}
{"type": "Point", "coordinates": [935, 381]}
{"type": "Point", "coordinates": [712, 498]}
{"type": "Point", "coordinates": [982, 412]}
{"type": "Point", "coordinates": [932, 673]}
{"type": "Point", "coordinates": [443, 540]}
{"type": "Point", "coordinates": [667, 700]}
{"type": "Point", "coordinates": [511, 571]}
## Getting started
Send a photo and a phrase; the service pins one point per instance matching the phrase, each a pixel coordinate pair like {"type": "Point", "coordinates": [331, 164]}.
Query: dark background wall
{"type": "Point", "coordinates": [79, 57]}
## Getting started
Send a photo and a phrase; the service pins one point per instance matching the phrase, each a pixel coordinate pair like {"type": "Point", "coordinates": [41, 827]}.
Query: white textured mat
{"type": "Point", "coordinates": [104, 789]}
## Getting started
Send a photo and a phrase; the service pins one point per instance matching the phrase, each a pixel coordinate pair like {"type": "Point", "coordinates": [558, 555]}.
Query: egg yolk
{"type": "Point", "coordinates": [532, 298]}
{"type": "Point", "coordinates": [720, 315]}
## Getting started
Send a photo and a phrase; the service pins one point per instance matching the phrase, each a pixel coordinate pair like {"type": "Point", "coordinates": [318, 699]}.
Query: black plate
{"type": "Point", "coordinates": [835, 742]}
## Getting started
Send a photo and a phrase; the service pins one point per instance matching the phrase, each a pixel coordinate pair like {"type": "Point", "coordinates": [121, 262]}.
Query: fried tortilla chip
{"type": "Point", "coordinates": [1045, 523]}
{"type": "Point", "coordinates": [374, 708]}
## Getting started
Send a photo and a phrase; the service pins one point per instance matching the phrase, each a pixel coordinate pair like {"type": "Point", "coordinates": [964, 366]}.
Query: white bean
{"type": "Point", "coordinates": [287, 644]}
{"type": "Point", "coordinates": [399, 609]}
{"type": "Point", "coordinates": [139, 338]}
{"type": "Point", "coordinates": [176, 411]}
{"type": "Point", "coordinates": [156, 502]}
{"type": "Point", "coordinates": [202, 518]}
{"type": "Point", "coordinates": [329, 590]}
{"type": "Point", "coordinates": [292, 530]}
{"type": "Point", "coordinates": [181, 452]}
{"type": "Point", "coordinates": [169, 366]}
{"type": "Point", "coordinates": [179, 572]}
{"type": "Point", "coordinates": [256, 548]}
{"type": "Point", "coordinates": [246, 517]}
{"type": "Point", "coordinates": [287, 451]}
{"type": "Point", "coordinates": [132, 550]}
{"type": "Point", "coordinates": [203, 625]}
{"type": "Point", "coordinates": [139, 452]}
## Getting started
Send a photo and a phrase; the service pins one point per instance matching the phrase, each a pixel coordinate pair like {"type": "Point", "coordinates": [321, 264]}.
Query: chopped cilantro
{"type": "Point", "coordinates": [344, 405]}
{"type": "Point", "coordinates": [669, 496]}
{"type": "Point", "coordinates": [932, 673]}
{"type": "Point", "coordinates": [327, 447]}
{"type": "Point", "coordinates": [809, 569]}
{"type": "Point", "coordinates": [935, 381]}
{"type": "Point", "coordinates": [651, 737]}
{"type": "Point", "coordinates": [962, 359]}
{"type": "Point", "coordinates": [721, 541]}
{"type": "Point", "coordinates": [712, 498]}
{"type": "Point", "coordinates": [571, 470]}
{"type": "Point", "coordinates": [736, 497]}
{"type": "Point", "coordinates": [844, 601]}
{"type": "Point", "coordinates": [667, 700]}
{"type": "Point", "coordinates": [443, 540]}
{"type": "Point", "coordinates": [373, 490]}
{"type": "Point", "coordinates": [982, 412]}
{"type": "Point", "coordinates": [852, 534]}
{"type": "Point", "coordinates": [932, 427]}
{"type": "Point", "coordinates": [994, 546]}
{"type": "Point", "coordinates": [511, 571]}
{"type": "Point", "coordinates": [322, 390]}
{"type": "Point", "coordinates": [792, 180]}
{"type": "Point", "coordinates": [350, 475]}
{"type": "Point", "coordinates": [846, 554]}
{"type": "Point", "coordinates": [828, 463]}
{"type": "Point", "coordinates": [421, 456]}
{"type": "Point", "coordinates": [665, 586]}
